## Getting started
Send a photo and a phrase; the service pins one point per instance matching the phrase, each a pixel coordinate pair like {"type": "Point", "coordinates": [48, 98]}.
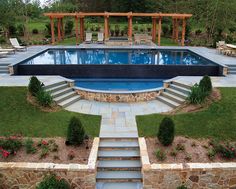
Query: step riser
{"type": "Point", "coordinates": [119, 139]}
{"type": "Point", "coordinates": [65, 98]}
{"type": "Point", "coordinates": [172, 98]}
{"type": "Point", "coordinates": [3, 72]}
{"type": "Point", "coordinates": [54, 85]}
{"type": "Point", "coordinates": [167, 103]}
{"type": "Point", "coordinates": [180, 90]}
{"type": "Point", "coordinates": [71, 102]}
{"type": "Point", "coordinates": [119, 180]}
{"type": "Point", "coordinates": [181, 85]}
{"type": "Point", "coordinates": [60, 87]}
{"type": "Point", "coordinates": [233, 73]}
{"type": "Point", "coordinates": [118, 158]}
{"type": "Point", "coordinates": [62, 93]}
{"type": "Point", "coordinates": [118, 148]}
{"type": "Point", "coordinates": [176, 94]}
{"type": "Point", "coordinates": [119, 169]}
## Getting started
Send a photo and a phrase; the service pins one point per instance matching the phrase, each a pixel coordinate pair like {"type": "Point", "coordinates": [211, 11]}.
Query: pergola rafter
{"type": "Point", "coordinates": [79, 16]}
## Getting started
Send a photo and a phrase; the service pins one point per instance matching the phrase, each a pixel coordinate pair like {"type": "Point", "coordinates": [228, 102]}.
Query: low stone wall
{"type": "Point", "coordinates": [192, 175]}
{"type": "Point", "coordinates": [113, 97]}
{"type": "Point", "coordinates": [28, 175]}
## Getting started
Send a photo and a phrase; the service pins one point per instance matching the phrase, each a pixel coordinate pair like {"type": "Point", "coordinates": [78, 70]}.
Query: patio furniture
{"type": "Point", "coordinates": [221, 46]}
{"type": "Point", "coordinates": [100, 37]}
{"type": "Point", "coordinates": [88, 38]}
{"type": "Point", "coordinates": [16, 45]}
{"type": "Point", "coordinates": [231, 50]}
{"type": "Point", "coordinates": [7, 50]}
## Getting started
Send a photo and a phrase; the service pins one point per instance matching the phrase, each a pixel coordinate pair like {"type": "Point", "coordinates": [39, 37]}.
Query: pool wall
{"type": "Point", "coordinates": [119, 71]}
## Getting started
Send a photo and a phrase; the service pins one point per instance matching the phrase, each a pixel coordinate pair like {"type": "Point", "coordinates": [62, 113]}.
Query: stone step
{"type": "Point", "coordinates": [3, 72]}
{"type": "Point", "coordinates": [119, 164]}
{"type": "Point", "coordinates": [168, 101]}
{"type": "Point", "coordinates": [181, 89]}
{"type": "Point", "coordinates": [176, 93]}
{"type": "Point", "coordinates": [181, 84]}
{"type": "Point", "coordinates": [119, 154]}
{"type": "Point", "coordinates": [54, 85]}
{"type": "Point", "coordinates": [58, 88]}
{"type": "Point", "coordinates": [119, 175]}
{"type": "Point", "coordinates": [61, 92]}
{"type": "Point", "coordinates": [119, 185]}
{"type": "Point", "coordinates": [173, 97]}
{"type": "Point", "coordinates": [65, 96]}
{"type": "Point", "coordinates": [232, 72]}
{"type": "Point", "coordinates": [119, 144]}
{"type": "Point", "coordinates": [232, 69]}
{"type": "Point", "coordinates": [69, 101]}
{"type": "Point", "coordinates": [231, 65]}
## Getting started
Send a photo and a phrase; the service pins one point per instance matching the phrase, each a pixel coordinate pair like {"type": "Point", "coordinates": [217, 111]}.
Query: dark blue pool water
{"type": "Point", "coordinates": [117, 57]}
{"type": "Point", "coordinates": [118, 84]}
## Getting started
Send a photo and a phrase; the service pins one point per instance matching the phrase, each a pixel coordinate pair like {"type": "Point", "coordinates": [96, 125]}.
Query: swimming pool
{"type": "Point", "coordinates": [117, 57]}
{"type": "Point", "coordinates": [118, 84]}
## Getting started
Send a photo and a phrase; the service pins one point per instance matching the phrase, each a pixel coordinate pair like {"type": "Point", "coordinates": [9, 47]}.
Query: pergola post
{"type": "Point", "coordinates": [130, 27]}
{"type": "Point", "coordinates": [59, 29]}
{"type": "Point", "coordinates": [62, 29]}
{"type": "Point", "coordinates": [183, 31]}
{"type": "Point", "coordinates": [154, 24]}
{"type": "Point", "coordinates": [159, 31]}
{"type": "Point", "coordinates": [76, 30]}
{"type": "Point", "coordinates": [52, 30]}
{"type": "Point", "coordinates": [106, 27]}
{"type": "Point", "coordinates": [176, 30]}
{"type": "Point", "coordinates": [81, 29]}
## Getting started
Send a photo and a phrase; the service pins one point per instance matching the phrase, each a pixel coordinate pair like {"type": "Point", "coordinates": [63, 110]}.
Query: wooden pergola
{"type": "Point", "coordinates": [79, 16]}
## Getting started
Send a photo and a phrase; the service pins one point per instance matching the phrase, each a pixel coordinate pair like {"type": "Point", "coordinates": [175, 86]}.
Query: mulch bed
{"type": "Point", "coordinates": [197, 149]}
{"type": "Point", "coordinates": [81, 153]}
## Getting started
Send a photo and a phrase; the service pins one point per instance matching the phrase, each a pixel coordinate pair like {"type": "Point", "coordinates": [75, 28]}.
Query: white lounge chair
{"type": "Point", "coordinates": [3, 54]}
{"type": "Point", "coordinates": [7, 50]}
{"type": "Point", "coordinates": [100, 37]}
{"type": "Point", "coordinates": [88, 38]}
{"type": "Point", "coordinates": [16, 45]}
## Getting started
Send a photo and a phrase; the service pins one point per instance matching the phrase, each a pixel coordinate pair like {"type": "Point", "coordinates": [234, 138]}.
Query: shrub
{"type": "Point", "coordinates": [227, 152]}
{"type": "Point", "coordinates": [29, 146]}
{"type": "Point", "coordinates": [182, 187]}
{"type": "Point", "coordinates": [112, 32]}
{"type": "Point", "coordinates": [35, 31]}
{"type": "Point", "coordinates": [12, 30]}
{"type": "Point", "coordinates": [20, 30]}
{"type": "Point", "coordinates": [166, 131]}
{"type": "Point", "coordinates": [211, 154]}
{"type": "Point", "coordinates": [196, 95]}
{"type": "Point", "coordinates": [180, 147]}
{"type": "Point", "coordinates": [206, 85]}
{"type": "Point", "coordinates": [165, 30]}
{"type": "Point", "coordinates": [188, 157]}
{"type": "Point", "coordinates": [9, 146]}
{"type": "Point", "coordinates": [160, 155]}
{"type": "Point", "coordinates": [75, 132]}
{"type": "Point", "coordinates": [117, 30]}
{"type": "Point", "coordinates": [198, 32]}
{"type": "Point", "coordinates": [44, 98]}
{"type": "Point", "coordinates": [174, 153]}
{"type": "Point", "coordinates": [53, 183]}
{"type": "Point", "coordinates": [135, 28]}
{"type": "Point", "coordinates": [34, 85]}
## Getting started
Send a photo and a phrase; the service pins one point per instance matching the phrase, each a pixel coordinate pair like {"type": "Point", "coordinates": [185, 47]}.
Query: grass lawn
{"type": "Point", "coordinates": [219, 121]}
{"type": "Point", "coordinates": [17, 116]}
{"type": "Point", "coordinates": [67, 41]}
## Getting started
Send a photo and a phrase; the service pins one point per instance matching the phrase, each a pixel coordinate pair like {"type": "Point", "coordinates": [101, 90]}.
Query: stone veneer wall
{"type": "Point", "coordinates": [113, 97]}
{"type": "Point", "coordinates": [28, 175]}
{"type": "Point", "coordinates": [193, 175]}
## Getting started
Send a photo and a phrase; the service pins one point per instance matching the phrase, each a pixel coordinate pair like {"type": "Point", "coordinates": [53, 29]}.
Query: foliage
{"type": "Point", "coordinates": [9, 145]}
{"type": "Point", "coordinates": [44, 98]}
{"type": "Point", "coordinates": [75, 132]}
{"type": "Point", "coordinates": [180, 147]}
{"type": "Point", "coordinates": [211, 154]}
{"type": "Point", "coordinates": [35, 31]}
{"type": "Point", "coordinates": [29, 146]}
{"type": "Point", "coordinates": [160, 154]}
{"type": "Point", "coordinates": [166, 131]}
{"type": "Point", "coordinates": [188, 157]}
{"type": "Point", "coordinates": [182, 187]}
{"type": "Point", "coordinates": [20, 30]}
{"type": "Point", "coordinates": [69, 26]}
{"type": "Point", "coordinates": [206, 85]}
{"type": "Point", "coordinates": [34, 85]}
{"type": "Point", "coordinates": [196, 95]}
{"type": "Point", "coordinates": [53, 182]}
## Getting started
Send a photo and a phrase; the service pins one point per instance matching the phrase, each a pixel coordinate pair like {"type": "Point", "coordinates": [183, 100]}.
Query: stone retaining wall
{"type": "Point", "coordinates": [113, 97]}
{"type": "Point", "coordinates": [28, 175]}
{"type": "Point", "coordinates": [192, 175]}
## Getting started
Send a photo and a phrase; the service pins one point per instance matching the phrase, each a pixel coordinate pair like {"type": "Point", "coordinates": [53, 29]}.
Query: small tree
{"type": "Point", "coordinates": [166, 131]}
{"type": "Point", "coordinates": [75, 132]}
{"type": "Point", "coordinates": [205, 84]}
{"type": "Point", "coordinates": [34, 85]}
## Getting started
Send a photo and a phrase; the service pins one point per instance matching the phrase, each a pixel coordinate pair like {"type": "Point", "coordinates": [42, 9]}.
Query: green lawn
{"type": "Point", "coordinates": [17, 116]}
{"type": "Point", "coordinates": [219, 121]}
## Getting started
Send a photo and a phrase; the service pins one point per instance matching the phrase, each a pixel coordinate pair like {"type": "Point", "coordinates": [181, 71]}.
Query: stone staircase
{"type": "Point", "coordinates": [232, 69]}
{"type": "Point", "coordinates": [175, 94]}
{"type": "Point", "coordinates": [119, 165]}
{"type": "Point", "coordinates": [62, 93]}
{"type": "Point", "coordinates": [4, 68]}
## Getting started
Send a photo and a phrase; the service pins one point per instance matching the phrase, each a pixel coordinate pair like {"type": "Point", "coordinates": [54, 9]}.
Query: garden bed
{"type": "Point", "coordinates": [51, 150]}
{"type": "Point", "coordinates": [185, 150]}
